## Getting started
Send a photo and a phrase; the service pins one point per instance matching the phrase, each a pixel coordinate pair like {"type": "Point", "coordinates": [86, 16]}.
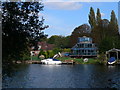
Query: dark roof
{"type": "Point", "coordinates": [113, 50]}
{"type": "Point", "coordinates": [46, 46]}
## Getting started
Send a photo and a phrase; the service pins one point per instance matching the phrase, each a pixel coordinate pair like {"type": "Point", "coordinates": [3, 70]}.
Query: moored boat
{"type": "Point", "coordinates": [112, 61]}
{"type": "Point", "coordinates": [51, 61]}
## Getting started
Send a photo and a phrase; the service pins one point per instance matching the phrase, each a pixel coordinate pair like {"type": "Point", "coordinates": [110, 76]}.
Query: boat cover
{"type": "Point", "coordinates": [112, 59]}
{"type": "Point", "coordinates": [54, 59]}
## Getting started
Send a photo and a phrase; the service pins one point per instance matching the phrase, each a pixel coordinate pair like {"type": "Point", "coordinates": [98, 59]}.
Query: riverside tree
{"type": "Point", "coordinates": [82, 30]}
{"type": "Point", "coordinates": [21, 27]}
{"type": "Point", "coordinates": [59, 41]}
{"type": "Point", "coordinates": [104, 31]}
{"type": "Point", "coordinates": [98, 17]}
{"type": "Point", "coordinates": [113, 26]}
{"type": "Point", "coordinates": [92, 20]}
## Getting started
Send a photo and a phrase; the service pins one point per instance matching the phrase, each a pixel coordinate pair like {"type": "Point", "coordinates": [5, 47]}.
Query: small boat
{"type": "Point", "coordinates": [111, 61]}
{"type": "Point", "coordinates": [51, 61]}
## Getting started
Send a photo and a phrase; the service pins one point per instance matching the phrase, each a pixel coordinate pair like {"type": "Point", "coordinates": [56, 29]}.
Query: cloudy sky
{"type": "Point", "coordinates": [63, 17]}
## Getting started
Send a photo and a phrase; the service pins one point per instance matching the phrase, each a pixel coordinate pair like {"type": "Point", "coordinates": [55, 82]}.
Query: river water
{"type": "Point", "coordinates": [62, 76]}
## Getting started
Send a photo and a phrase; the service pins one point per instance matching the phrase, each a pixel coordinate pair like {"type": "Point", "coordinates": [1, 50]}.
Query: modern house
{"type": "Point", "coordinates": [84, 48]}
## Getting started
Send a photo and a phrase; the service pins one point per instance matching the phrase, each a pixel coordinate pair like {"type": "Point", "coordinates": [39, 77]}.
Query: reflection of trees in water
{"type": "Point", "coordinates": [108, 78]}
{"type": "Point", "coordinates": [73, 76]}
{"type": "Point", "coordinates": [12, 74]}
{"type": "Point", "coordinates": [11, 69]}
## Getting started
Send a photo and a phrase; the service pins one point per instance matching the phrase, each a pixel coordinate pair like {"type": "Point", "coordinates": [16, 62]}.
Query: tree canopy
{"type": "Point", "coordinates": [21, 27]}
{"type": "Point", "coordinates": [104, 31]}
{"type": "Point", "coordinates": [92, 20]}
{"type": "Point", "coordinates": [82, 30]}
{"type": "Point", "coordinates": [59, 41]}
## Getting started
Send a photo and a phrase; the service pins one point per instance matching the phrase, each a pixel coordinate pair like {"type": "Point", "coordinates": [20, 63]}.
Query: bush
{"type": "Point", "coordinates": [51, 54]}
{"type": "Point", "coordinates": [56, 50]}
{"type": "Point", "coordinates": [102, 58]}
{"type": "Point", "coordinates": [66, 50]}
{"type": "Point", "coordinates": [41, 53]}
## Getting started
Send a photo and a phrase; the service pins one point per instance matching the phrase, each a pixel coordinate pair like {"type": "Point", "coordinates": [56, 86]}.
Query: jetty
{"type": "Point", "coordinates": [68, 62]}
{"type": "Point", "coordinates": [28, 62]}
{"type": "Point", "coordinates": [33, 62]}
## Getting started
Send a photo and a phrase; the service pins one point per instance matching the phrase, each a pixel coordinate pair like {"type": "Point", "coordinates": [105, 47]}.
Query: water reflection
{"type": "Point", "coordinates": [63, 76]}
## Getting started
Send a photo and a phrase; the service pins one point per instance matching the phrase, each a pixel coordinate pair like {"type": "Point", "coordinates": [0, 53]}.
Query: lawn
{"type": "Point", "coordinates": [35, 58]}
{"type": "Point", "coordinates": [76, 60]}
{"type": "Point", "coordinates": [80, 60]}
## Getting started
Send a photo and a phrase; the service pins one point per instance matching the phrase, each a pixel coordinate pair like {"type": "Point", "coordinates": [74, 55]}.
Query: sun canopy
{"type": "Point", "coordinates": [112, 59]}
{"type": "Point", "coordinates": [54, 59]}
{"type": "Point", "coordinates": [113, 50]}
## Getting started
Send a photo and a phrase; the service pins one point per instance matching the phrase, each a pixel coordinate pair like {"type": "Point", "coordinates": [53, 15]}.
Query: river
{"type": "Point", "coordinates": [62, 76]}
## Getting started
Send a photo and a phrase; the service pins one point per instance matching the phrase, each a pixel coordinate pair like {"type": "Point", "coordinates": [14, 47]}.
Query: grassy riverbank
{"type": "Point", "coordinates": [80, 60]}
{"type": "Point", "coordinates": [76, 60]}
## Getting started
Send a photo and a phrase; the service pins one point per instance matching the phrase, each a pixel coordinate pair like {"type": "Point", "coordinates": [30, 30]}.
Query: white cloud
{"type": "Point", "coordinates": [102, 14]}
{"type": "Point", "coordinates": [63, 5]}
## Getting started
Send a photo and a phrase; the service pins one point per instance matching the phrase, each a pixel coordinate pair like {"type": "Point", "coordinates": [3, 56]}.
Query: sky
{"type": "Point", "coordinates": [64, 17]}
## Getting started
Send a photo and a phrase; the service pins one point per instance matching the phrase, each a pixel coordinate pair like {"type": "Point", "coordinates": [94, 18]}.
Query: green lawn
{"type": "Point", "coordinates": [35, 58]}
{"type": "Point", "coordinates": [80, 60]}
{"type": "Point", "coordinates": [77, 60]}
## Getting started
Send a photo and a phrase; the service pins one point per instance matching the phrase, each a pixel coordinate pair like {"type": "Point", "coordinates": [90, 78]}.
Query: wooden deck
{"type": "Point", "coordinates": [33, 62]}
{"type": "Point", "coordinates": [68, 62]}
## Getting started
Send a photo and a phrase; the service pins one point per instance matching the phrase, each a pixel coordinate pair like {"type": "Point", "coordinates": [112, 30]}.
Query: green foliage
{"type": "Point", "coordinates": [42, 52]}
{"type": "Point", "coordinates": [48, 54]}
{"type": "Point", "coordinates": [100, 31]}
{"type": "Point", "coordinates": [66, 50]}
{"type": "Point", "coordinates": [83, 30]}
{"type": "Point", "coordinates": [98, 17]}
{"type": "Point", "coordinates": [92, 19]}
{"type": "Point", "coordinates": [25, 55]}
{"type": "Point", "coordinates": [113, 26]}
{"type": "Point", "coordinates": [52, 39]}
{"type": "Point", "coordinates": [51, 53]}
{"type": "Point", "coordinates": [104, 33]}
{"type": "Point", "coordinates": [21, 27]}
{"type": "Point", "coordinates": [59, 41]}
{"type": "Point", "coordinates": [109, 43]}
{"type": "Point", "coordinates": [80, 60]}
{"type": "Point", "coordinates": [56, 50]}
{"type": "Point", "coordinates": [35, 58]}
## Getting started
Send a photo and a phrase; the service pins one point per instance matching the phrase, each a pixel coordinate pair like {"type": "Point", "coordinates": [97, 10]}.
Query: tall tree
{"type": "Point", "coordinates": [92, 20]}
{"type": "Point", "coordinates": [20, 26]}
{"type": "Point", "coordinates": [113, 26]}
{"type": "Point", "coordinates": [98, 17]}
{"type": "Point", "coordinates": [100, 31]}
{"type": "Point", "coordinates": [80, 31]}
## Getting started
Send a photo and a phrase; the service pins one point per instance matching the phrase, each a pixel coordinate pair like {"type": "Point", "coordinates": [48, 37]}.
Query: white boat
{"type": "Point", "coordinates": [51, 61]}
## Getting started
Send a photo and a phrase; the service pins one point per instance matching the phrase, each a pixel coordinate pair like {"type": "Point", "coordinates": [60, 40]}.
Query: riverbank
{"type": "Point", "coordinates": [80, 60]}
{"type": "Point", "coordinates": [36, 60]}
{"type": "Point", "coordinates": [63, 59]}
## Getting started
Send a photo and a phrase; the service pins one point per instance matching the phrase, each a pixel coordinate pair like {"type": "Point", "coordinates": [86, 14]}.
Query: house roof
{"type": "Point", "coordinates": [46, 46]}
{"type": "Point", "coordinates": [113, 50]}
